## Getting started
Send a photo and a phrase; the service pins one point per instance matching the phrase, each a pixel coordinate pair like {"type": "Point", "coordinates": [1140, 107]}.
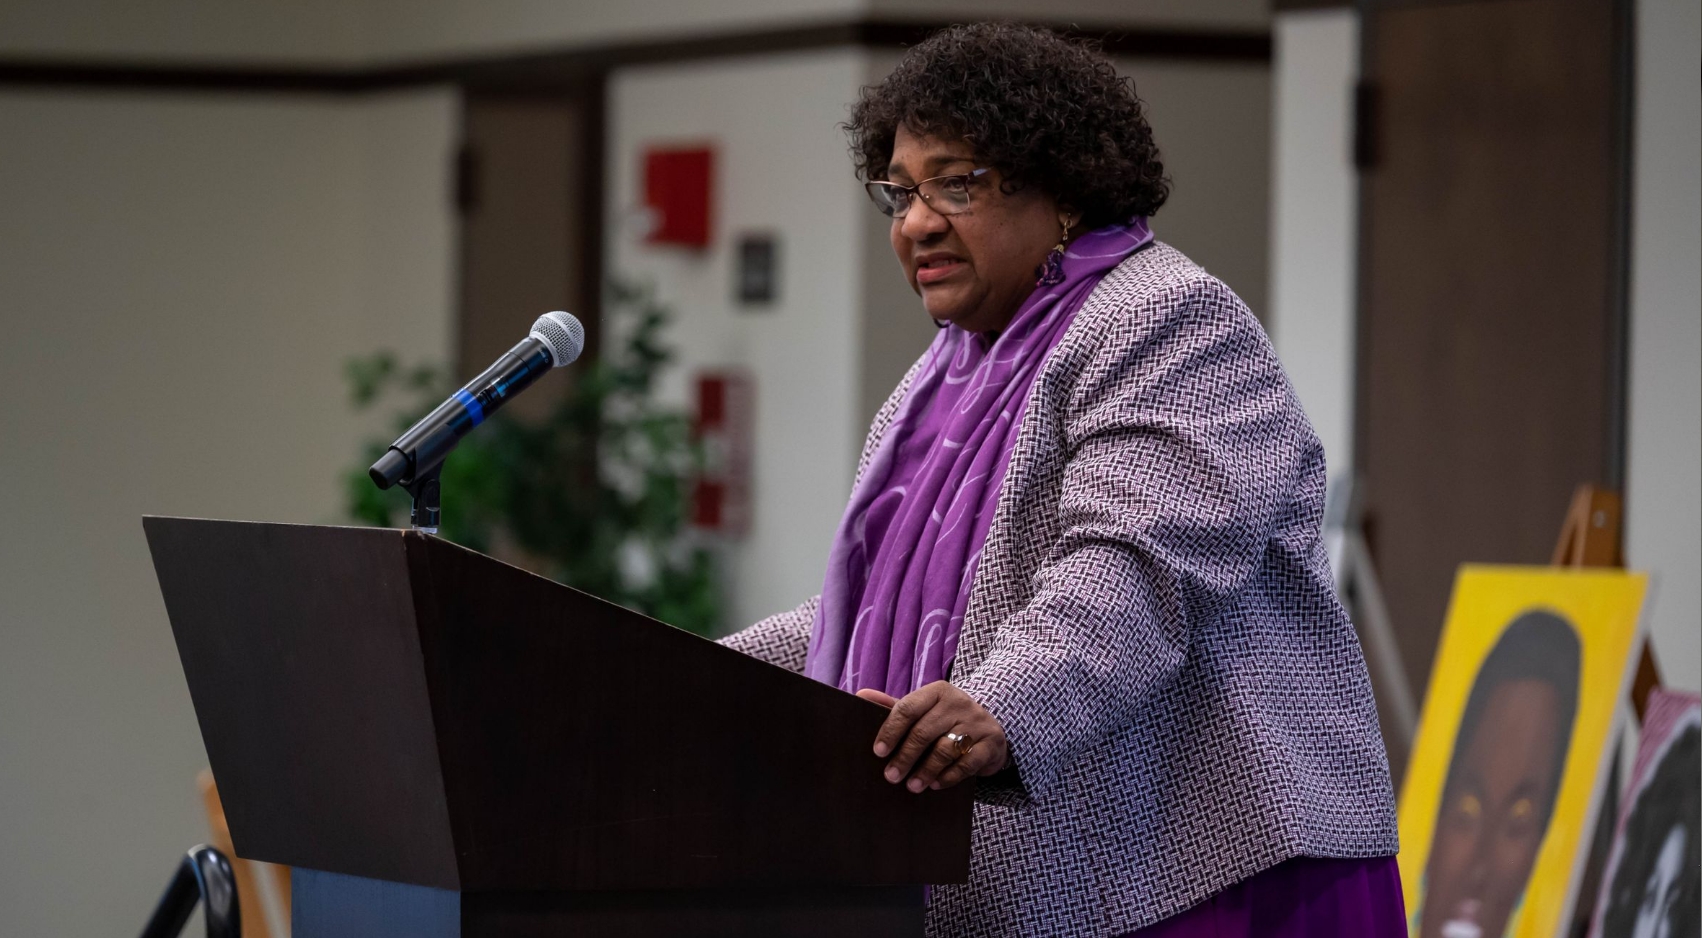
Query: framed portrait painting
{"type": "Point", "coordinates": [1513, 748]}
{"type": "Point", "coordinates": [1650, 888]}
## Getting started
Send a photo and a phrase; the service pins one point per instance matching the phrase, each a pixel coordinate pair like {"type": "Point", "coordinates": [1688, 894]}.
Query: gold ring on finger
{"type": "Point", "coordinates": [961, 743]}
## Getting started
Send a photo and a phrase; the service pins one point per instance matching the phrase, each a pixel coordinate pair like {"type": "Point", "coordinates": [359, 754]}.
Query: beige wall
{"type": "Point", "coordinates": [183, 280]}
{"type": "Point", "coordinates": [353, 32]}
{"type": "Point", "coordinates": [402, 29]}
{"type": "Point", "coordinates": [369, 31]}
{"type": "Point", "coordinates": [321, 32]}
{"type": "Point", "coordinates": [1182, 14]}
{"type": "Point", "coordinates": [1213, 127]}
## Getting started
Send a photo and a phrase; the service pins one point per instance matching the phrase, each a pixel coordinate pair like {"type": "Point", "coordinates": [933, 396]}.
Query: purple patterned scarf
{"type": "Point", "coordinates": [904, 558]}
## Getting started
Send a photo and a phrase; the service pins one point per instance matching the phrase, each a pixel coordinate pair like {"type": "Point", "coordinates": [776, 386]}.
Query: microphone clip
{"type": "Point", "coordinates": [426, 513]}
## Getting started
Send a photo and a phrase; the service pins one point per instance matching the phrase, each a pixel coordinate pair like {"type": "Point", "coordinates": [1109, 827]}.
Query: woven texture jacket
{"type": "Point", "coordinates": [1153, 622]}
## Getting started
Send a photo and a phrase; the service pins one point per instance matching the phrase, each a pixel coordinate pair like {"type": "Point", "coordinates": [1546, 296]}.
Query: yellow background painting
{"type": "Point", "coordinates": [1604, 607]}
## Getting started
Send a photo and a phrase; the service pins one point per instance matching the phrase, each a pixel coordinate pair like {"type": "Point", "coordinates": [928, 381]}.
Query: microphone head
{"type": "Point", "coordinates": [562, 334]}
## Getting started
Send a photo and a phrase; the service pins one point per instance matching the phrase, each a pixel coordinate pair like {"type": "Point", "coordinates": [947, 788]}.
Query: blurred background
{"type": "Point", "coordinates": [1471, 229]}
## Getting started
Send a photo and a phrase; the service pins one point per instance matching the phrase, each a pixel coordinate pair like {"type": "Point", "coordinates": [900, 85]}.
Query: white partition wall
{"type": "Point", "coordinates": [1314, 217]}
{"type": "Point", "coordinates": [780, 168]}
{"type": "Point", "coordinates": [1663, 488]}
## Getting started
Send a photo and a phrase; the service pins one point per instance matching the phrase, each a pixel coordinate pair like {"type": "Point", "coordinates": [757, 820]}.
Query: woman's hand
{"type": "Point", "coordinates": [915, 734]}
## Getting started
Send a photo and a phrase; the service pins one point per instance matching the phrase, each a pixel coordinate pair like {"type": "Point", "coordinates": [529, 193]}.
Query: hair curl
{"type": "Point", "coordinates": [1042, 109]}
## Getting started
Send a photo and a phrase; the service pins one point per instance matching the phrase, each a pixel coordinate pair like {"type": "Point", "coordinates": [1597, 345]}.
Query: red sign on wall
{"type": "Point", "coordinates": [721, 496]}
{"type": "Point", "coordinates": [677, 192]}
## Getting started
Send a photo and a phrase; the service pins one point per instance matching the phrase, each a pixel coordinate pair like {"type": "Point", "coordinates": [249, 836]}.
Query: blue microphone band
{"type": "Point", "coordinates": [475, 410]}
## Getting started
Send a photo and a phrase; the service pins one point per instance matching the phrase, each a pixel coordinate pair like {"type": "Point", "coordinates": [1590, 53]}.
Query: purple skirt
{"type": "Point", "coordinates": [1302, 898]}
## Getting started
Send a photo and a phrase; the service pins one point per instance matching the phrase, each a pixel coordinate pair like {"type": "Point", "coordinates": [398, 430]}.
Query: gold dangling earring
{"type": "Point", "coordinates": [1052, 271]}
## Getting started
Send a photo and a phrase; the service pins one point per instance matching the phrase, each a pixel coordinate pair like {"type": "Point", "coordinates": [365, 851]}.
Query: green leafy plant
{"type": "Point", "coordinates": [596, 495]}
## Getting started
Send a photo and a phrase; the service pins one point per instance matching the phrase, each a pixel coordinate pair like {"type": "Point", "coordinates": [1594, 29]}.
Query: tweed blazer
{"type": "Point", "coordinates": [1154, 623]}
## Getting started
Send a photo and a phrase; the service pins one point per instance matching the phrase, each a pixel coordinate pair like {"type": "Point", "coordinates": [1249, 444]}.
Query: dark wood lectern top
{"type": "Point", "coordinates": [389, 705]}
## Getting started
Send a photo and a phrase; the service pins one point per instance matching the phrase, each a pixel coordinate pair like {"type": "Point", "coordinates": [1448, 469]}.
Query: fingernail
{"type": "Point", "coordinates": [892, 775]}
{"type": "Point", "coordinates": [880, 750]}
{"type": "Point", "coordinates": [915, 785]}
{"type": "Point", "coordinates": [935, 786]}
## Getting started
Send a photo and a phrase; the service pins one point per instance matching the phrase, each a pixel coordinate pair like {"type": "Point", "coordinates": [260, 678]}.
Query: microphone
{"type": "Point", "coordinates": [556, 339]}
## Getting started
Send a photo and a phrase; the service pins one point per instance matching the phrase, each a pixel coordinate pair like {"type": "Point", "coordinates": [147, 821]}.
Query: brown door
{"type": "Point", "coordinates": [1491, 330]}
{"type": "Point", "coordinates": [528, 222]}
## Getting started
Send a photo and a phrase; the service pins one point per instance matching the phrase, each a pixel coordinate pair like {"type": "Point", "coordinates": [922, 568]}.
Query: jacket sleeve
{"type": "Point", "coordinates": [782, 639]}
{"type": "Point", "coordinates": [1181, 435]}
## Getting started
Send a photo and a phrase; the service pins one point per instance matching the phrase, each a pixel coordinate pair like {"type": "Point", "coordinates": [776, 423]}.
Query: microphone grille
{"type": "Point", "coordinates": [562, 333]}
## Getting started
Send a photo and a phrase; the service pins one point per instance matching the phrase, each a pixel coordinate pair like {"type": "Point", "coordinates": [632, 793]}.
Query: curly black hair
{"type": "Point", "coordinates": [1042, 109]}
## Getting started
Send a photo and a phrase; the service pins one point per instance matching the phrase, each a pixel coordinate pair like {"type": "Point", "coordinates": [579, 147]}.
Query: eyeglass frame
{"type": "Point", "coordinates": [915, 191]}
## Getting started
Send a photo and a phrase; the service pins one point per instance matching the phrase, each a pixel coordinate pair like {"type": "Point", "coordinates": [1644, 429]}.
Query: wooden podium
{"type": "Point", "coordinates": [445, 745]}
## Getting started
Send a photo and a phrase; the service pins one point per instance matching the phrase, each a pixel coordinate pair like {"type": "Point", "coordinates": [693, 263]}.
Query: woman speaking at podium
{"type": "Point", "coordinates": [1081, 558]}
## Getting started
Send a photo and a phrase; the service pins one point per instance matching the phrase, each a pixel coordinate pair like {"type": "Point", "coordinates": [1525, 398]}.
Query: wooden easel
{"type": "Point", "coordinates": [255, 892]}
{"type": "Point", "coordinates": [1591, 537]}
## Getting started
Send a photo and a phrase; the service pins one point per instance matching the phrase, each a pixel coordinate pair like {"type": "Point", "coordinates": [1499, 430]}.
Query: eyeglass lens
{"type": "Point", "coordinates": [947, 195]}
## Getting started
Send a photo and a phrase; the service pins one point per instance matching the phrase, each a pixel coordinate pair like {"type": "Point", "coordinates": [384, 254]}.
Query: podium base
{"type": "Point", "coordinates": [332, 905]}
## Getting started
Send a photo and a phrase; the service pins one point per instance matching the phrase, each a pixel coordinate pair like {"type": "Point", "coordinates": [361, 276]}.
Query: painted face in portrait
{"type": "Point", "coordinates": [1494, 820]}
{"type": "Point", "coordinates": [1653, 890]}
{"type": "Point", "coordinates": [1660, 893]}
{"type": "Point", "coordinates": [1503, 780]}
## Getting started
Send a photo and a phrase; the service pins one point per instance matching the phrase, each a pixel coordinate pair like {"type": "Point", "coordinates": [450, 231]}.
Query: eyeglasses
{"type": "Point", "coordinates": [947, 195]}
